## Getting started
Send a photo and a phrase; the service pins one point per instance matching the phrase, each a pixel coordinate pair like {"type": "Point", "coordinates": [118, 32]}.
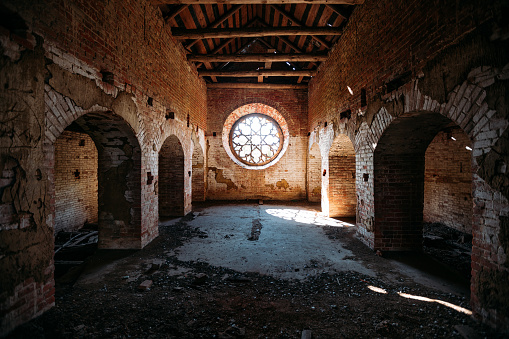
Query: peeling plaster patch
{"type": "Point", "coordinates": [82, 90]}
{"type": "Point", "coordinates": [219, 177]}
{"type": "Point", "coordinates": [489, 168]}
{"type": "Point", "coordinates": [283, 184]}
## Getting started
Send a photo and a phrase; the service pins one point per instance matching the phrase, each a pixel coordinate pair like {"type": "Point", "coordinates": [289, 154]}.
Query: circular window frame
{"type": "Point", "coordinates": [265, 111]}
{"type": "Point", "coordinates": [263, 116]}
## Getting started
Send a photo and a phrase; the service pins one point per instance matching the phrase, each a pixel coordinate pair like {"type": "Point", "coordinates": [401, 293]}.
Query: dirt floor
{"type": "Point", "coordinates": [106, 298]}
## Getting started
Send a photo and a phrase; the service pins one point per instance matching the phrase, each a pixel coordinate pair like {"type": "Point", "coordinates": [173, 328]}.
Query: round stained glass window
{"type": "Point", "coordinates": [256, 139]}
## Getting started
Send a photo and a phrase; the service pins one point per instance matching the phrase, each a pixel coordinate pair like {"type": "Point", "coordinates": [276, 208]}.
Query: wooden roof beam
{"type": "Point", "coordinates": [264, 73]}
{"type": "Point", "coordinates": [256, 85]}
{"type": "Point", "coordinates": [219, 21]}
{"type": "Point", "coordinates": [251, 32]}
{"type": "Point", "coordinates": [337, 11]}
{"type": "Point", "coordinates": [264, 57]}
{"type": "Point", "coordinates": [254, 2]}
{"type": "Point", "coordinates": [175, 12]}
{"type": "Point", "coordinates": [297, 22]}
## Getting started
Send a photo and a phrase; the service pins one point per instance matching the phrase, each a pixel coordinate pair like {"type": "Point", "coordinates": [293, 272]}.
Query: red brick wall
{"type": "Point", "coordinates": [171, 178]}
{"type": "Point", "coordinates": [198, 181]}
{"type": "Point", "coordinates": [342, 196]}
{"type": "Point", "coordinates": [127, 38]}
{"type": "Point", "coordinates": [55, 71]}
{"type": "Point", "coordinates": [284, 180]}
{"type": "Point", "coordinates": [314, 183]}
{"type": "Point", "coordinates": [448, 181]}
{"type": "Point", "coordinates": [75, 181]}
{"type": "Point", "coordinates": [414, 57]}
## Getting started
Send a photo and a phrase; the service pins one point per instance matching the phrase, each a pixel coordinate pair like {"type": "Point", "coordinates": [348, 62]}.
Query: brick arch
{"type": "Point", "coordinates": [259, 101]}
{"type": "Point", "coordinates": [172, 128]}
{"type": "Point", "coordinates": [399, 164]}
{"type": "Point", "coordinates": [466, 108]}
{"type": "Point", "coordinates": [171, 178]}
{"type": "Point", "coordinates": [119, 167]}
{"type": "Point", "coordinates": [250, 109]}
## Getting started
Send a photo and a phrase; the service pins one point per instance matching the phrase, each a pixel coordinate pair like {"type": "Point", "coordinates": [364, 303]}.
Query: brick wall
{"type": "Point", "coordinates": [284, 180]}
{"type": "Point", "coordinates": [198, 181]}
{"type": "Point", "coordinates": [75, 181]}
{"type": "Point", "coordinates": [171, 178]}
{"type": "Point", "coordinates": [448, 181]}
{"type": "Point", "coordinates": [74, 60]}
{"type": "Point", "coordinates": [447, 58]}
{"type": "Point", "coordinates": [314, 172]}
{"type": "Point", "coordinates": [342, 196]}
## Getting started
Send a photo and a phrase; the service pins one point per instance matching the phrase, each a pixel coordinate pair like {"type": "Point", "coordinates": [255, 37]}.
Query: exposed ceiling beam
{"type": "Point", "coordinates": [225, 43]}
{"type": "Point", "coordinates": [297, 22]}
{"type": "Point", "coordinates": [219, 21]}
{"type": "Point", "coordinates": [274, 57]}
{"type": "Point", "coordinates": [338, 11]}
{"type": "Point", "coordinates": [264, 72]}
{"type": "Point", "coordinates": [282, 38]}
{"type": "Point", "coordinates": [296, 50]}
{"type": "Point", "coordinates": [255, 85]}
{"type": "Point", "coordinates": [251, 32]}
{"type": "Point", "coordinates": [175, 12]}
{"type": "Point", "coordinates": [254, 2]}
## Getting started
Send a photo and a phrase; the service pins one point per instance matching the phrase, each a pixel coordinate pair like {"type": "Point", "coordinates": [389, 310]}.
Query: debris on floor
{"type": "Point", "coordinates": [196, 299]}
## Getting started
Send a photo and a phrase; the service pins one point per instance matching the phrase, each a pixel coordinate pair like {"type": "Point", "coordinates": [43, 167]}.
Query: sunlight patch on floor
{"type": "Point", "coordinates": [306, 217]}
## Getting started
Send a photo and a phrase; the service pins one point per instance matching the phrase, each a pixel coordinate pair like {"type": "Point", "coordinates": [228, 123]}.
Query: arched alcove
{"type": "Point", "coordinates": [399, 178]}
{"type": "Point", "coordinates": [76, 180]}
{"type": "Point", "coordinates": [116, 180]}
{"type": "Point", "coordinates": [171, 178]}
{"type": "Point", "coordinates": [342, 196]}
{"type": "Point", "coordinates": [314, 176]}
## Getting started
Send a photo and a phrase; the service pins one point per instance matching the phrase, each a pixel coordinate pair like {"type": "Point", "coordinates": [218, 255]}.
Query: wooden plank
{"type": "Point", "coordinates": [268, 65]}
{"type": "Point", "coordinates": [263, 72]}
{"type": "Point", "coordinates": [297, 22]}
{"type": "Point", "coordinates": [219, 21]}
{"type": "Point", "coordinates": [265, 57]}
{"type": "Point", "coordinates": [337, 10]}
{"type": "Point", "coordinates": [253, 2]}
{"type": "Point", "coordinates": [176, 12]}
{"type": "Point", "coordinates": [255, 85]}
{"type": "Point", "coordinates": [251, 32]}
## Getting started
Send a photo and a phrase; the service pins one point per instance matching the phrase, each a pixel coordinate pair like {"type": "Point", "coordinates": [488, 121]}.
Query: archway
{"type": "Point", "coordinates": [342, 196]}
{"type": "Point", "coordinates": [171, 178]}
{"type": "Point", "coordinates": [447, 212]}
{"type": "Point", "coordinates": [198, 178]}
{"type": "Point", "coordinates": [76, 182]}
{"type": "Point", "coordinates": [314, 177]}
{"type": "Point", "coordinates": [113, 186]}
{"type": "Point", "coordinates": [399, 177]}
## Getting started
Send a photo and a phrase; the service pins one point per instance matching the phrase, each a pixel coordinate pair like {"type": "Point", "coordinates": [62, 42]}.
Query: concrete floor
{"type": "Point", "coordinates": [292, 244]}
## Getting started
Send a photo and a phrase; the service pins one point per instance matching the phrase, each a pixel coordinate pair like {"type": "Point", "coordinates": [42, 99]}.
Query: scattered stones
{"type": "Point", "coordinates": [145, 285]}
{"type": "Point", "coordinates": [200, 279]}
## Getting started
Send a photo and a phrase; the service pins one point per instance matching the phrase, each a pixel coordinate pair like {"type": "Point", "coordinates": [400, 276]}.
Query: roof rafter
{"type": "Point", "coordinates": [263, 57]}
{"type": "Point", "coordinates": [264, 72]}
{"type": "Point", "coordinates": [252, 32]}
{"type": "Point", "coordinates": [254, 2]}
{"type": "Point", "coordinates": [219, 21]}
{"type": "Point", "coordinates": [297, 22]}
